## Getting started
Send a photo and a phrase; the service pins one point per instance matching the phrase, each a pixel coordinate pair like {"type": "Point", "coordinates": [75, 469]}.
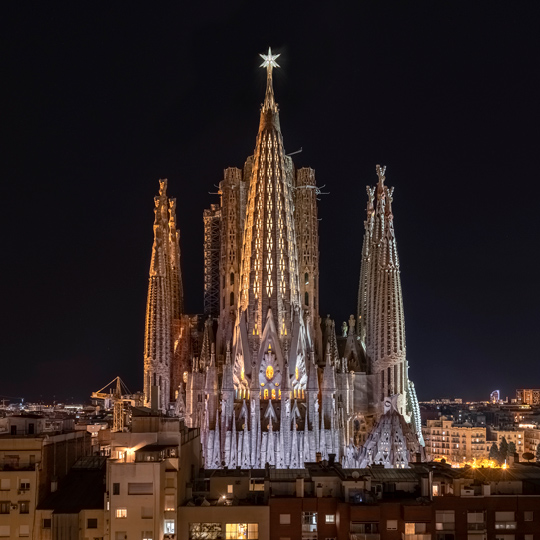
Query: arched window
{"type": "Point", "coordinates": [306, 298]}
{"type": "Point", "coordinates": [273, 393]}
{"type": "Point", "coordinates": [306, 278]}
{"type": "Point", "coordinates": [231, 300]}
{"type": "Point", "coordinates": [266, 393]}
{"type": "Point", "coordinates": [232, 278]}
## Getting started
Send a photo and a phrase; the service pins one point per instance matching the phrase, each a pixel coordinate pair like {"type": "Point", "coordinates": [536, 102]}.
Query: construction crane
{"type": "Point", "coordinates": [116, 399]}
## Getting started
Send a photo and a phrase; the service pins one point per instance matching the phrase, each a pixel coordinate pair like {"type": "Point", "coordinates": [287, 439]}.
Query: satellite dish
{"type": "Point", "coordinates": [356, 475]}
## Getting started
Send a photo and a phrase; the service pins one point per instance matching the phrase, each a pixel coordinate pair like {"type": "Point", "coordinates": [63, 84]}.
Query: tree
{"type": "Point", "coordinates": [503, 450]}
{"type": "Point", "coordinates": [511, 448]}
{"type": "Point", "coordinates": [494, 452]}
{"type": "Point", "coordinates": [528, 456]}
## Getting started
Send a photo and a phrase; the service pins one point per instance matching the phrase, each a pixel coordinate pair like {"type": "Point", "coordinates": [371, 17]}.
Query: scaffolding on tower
{"type": "Point", "coordinates": [212, 223]}
{"type": "Point", "coordinates": [119, 398]}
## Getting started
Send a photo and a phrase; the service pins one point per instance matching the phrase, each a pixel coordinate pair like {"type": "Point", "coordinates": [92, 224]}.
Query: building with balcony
{"type": "Point", "coordinates": [32, 462]}
{"type": "Point", "coordinates": [456, 443]}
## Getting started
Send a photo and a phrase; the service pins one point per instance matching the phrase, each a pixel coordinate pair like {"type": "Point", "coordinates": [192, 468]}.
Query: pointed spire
{"type": "Point", "coordinates": [269, 62]}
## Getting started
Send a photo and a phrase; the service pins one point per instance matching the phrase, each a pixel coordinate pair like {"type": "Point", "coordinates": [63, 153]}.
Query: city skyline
{"type": "Point", "coordinates": [86, 150]}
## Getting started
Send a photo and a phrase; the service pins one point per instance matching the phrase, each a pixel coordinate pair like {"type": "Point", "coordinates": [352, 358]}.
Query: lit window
{"type": "Point", "coordinates": [169, 503]}
{"type": "Point", "coordinates": [229, 488]}
{"type": "Point", "coordinates": [242, 531]}
{"type": "Point", "coordinates": [169, 526]}
{"type": "Point", "coordinates": [24, 507]}
{"type": "Point", "coordinates": [121, 513]}
{"type": "Point", "coordinates": [330, 518]}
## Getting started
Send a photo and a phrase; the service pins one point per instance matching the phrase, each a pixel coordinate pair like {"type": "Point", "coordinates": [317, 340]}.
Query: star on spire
{"type": "Point", "coordinates": [269, 60]}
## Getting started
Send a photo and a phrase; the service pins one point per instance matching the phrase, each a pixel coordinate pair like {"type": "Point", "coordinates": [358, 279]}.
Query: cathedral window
{"type": "Point", "coordinates": [265, 393]}
{"type": "Point", "coordinates": [231, 298]}
{"type": "Point", "coordinates": [306, 298]}
{"type": "Point", "coordinates": [231, 281]}
{"type": "Point", "coordinates": [273, 393]}
{"type": "Point", "coordinates": [306, 278]}
{"type": "Point", "coordinates": [269, 373]}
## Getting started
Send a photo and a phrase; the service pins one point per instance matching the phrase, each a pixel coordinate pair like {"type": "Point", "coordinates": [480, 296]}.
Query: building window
{"type": "Point", "coordinates": [369, 527]}
{"type": "Point", "coordinates": [232, 278]}
{"type": "Point", "coordinates": [120, 535]}
{"type": "Point", "coordinates": [46, 524]}
{"type": "Point", "coordinates": [205, 531]}
{"type": "Point", "coordinates": [528, 516]}
{"type": "Point", "coordinates": [5, 484]}
{"type": "Point", "coordinates": [391, 524]}
{"type": "Point", "coordinates": [309, 524]}
{"type": "Point", "coordinates": [24, 530]}
{"type": "Point", "coordinates": [24, 507]}
{"type": "Point", "coordinates": [147, 512]}
{"type": "Point", "coordinates": [24, 485]}
{"type": "Point", "coordinates": [229, 488]}
{"type": "Point", "coordinates": [91, 523]}
{"type": "Point", "coordinates": [415, 528]}
{"type": "Point", "coordinates": [4, 507]}
{"type": "Point", "coordinates": [5, 531]}
{"type": "Point", "coordinates": [476, 521]}
{"type": "Point", "coordinates": [505, 521]}
{"type": "Point", "coordinates": [231, 299]}
{"type": "Point", "coordinates": [146, 535]}
{"type": "Point", "coordinates": [284, 519]}
{"type": "Point", "coordinates": [169, 503]}
{"type": "Point", "coordinates": [242, 531]}
{"type": "Point", "coordinates": [330, 518]}
{"type": "Point", "coordinates": [444, 520]}
{"type": "Point", "coordinates": [169, 526]}
{"type": "Point", "coordinates": [306, 298]}
{"type": "Point", "coordinates": [139, 488]}
{"type": "Point", "coordinates": [121, 513]}
{"type": "Point", "coordinates": [116, 489]}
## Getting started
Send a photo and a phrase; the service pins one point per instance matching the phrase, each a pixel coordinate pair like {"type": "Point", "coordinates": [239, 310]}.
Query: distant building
{"type": "Point", "coordinates": [495, 396]}
{"type": "Point", "coordinates": [517, 436]}
{"type": "Point", "coordinates": [528, 396]}
{"type": "Point", "coordinates": [456, 443]}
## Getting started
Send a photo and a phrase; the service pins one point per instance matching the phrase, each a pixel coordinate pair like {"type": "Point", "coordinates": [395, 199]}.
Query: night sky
{"type": "Point", "coordinates": [99, 101]}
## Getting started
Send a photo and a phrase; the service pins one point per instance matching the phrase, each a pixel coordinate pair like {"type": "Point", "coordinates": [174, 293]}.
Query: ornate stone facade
{"type": "Point", "coordinates": [276, 384]}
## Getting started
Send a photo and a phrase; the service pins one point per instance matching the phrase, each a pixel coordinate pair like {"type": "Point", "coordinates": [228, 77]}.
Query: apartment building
{"type": "Point", "coordinates": [147, 475]}
{"type": "Point", "coordinates": [32, 461]}
{"type": "Point", "coordinates": [456, 443]}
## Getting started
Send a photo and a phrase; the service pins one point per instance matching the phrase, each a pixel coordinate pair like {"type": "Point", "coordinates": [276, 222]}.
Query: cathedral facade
{"type": "Point", "coordinates": [263, 376]}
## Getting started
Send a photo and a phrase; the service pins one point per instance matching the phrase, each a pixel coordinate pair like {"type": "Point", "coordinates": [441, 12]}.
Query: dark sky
{"type": "Point", "coordinates": [99, 101]}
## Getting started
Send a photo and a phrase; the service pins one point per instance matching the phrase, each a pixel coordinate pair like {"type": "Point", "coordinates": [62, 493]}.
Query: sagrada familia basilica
{"type": "Point", "coordinates": [265, 379]}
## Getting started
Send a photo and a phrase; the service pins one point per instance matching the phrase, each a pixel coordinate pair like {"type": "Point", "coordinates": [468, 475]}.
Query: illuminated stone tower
{"type": "Point", "coordinates": [165, 301]}
{"type": "Point", "coordinates": [268, 339]}
{"type": "Point", "coordinates": [381, 323]}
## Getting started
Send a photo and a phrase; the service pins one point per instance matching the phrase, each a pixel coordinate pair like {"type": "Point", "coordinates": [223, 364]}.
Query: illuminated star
{"type": "Point", "coordinates": [269, 60]}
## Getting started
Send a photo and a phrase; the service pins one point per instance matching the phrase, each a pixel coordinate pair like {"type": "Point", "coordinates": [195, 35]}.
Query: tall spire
{"type": "Point", "coordinates": [269, 274]}
{"type": "Point", "coordinates": [380, 299]}
{"type": "Point", "coordinates": [158, 339]}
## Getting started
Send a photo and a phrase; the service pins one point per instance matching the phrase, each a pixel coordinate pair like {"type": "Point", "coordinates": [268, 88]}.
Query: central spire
{"type": "Point", "coordinates": [269, 274]}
